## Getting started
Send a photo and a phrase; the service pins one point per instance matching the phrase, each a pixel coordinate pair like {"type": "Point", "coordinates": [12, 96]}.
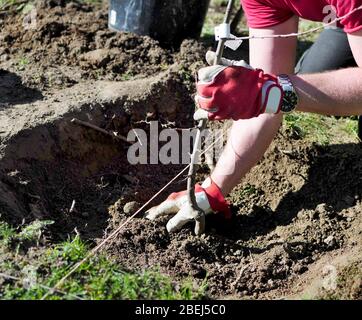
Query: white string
{"type": "Point", "coordinates": [296, 34]}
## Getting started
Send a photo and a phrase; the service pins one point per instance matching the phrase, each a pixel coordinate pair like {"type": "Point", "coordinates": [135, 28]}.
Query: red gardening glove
{"type": "Point", "coordinates": [208, 197]}
{"type": "Point", "coordinates": [234, 90]}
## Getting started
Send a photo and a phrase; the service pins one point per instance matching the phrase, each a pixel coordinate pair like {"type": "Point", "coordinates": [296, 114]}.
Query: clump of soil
{"type": "Point", "coordinates": [71, 43]}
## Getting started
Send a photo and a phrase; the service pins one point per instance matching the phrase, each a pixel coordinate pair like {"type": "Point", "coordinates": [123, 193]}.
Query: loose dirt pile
{"type": "Point", "coordinates": [71, 43]}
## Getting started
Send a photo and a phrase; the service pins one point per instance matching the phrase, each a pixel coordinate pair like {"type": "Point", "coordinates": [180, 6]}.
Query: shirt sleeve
{"type": "Point", "coordinates": [353, 22]}
{"type": "Point", "coordinates": [261, 14]}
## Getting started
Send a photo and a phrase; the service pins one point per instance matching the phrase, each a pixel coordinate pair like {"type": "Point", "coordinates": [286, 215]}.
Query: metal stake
{"type": "Point", "coordinates": [199, 214]}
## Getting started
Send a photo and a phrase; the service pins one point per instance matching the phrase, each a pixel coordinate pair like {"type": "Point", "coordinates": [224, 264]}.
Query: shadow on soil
{"type": "Point", "coordinates": [13, 92]}
{"type": "Point", "coordinates": [334, 179]}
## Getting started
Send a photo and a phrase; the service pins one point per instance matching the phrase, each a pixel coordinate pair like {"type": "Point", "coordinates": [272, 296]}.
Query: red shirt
{"type": "Point", "coordinates": [266, 13]}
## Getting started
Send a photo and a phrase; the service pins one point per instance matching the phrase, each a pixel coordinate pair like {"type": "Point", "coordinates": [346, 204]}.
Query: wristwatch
{"type": "Point", "coordinates": [290, 98]}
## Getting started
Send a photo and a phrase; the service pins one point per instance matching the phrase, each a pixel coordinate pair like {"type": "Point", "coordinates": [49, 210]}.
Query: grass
{"type": "Point", "coordinates": [320, 129]}
{"type": "Point", "coordinates": [22, 63]}
{"type": "Point", "coordinates": [4, 3]}
{"type": "Point", "coordinates": [348, 284]}
{"type": "Point", "coordinates": [38, 268]}
{"type": "Point", "coordinates": [127, 76]}
{"type": "Point", "coordinates": [29, 233]}
{"type": "Point", "coordinates": [308, 126]}
{"type": "Point", "coordinates": [351, 126]}
{"type": "Point", "coordinates": [20, 6]}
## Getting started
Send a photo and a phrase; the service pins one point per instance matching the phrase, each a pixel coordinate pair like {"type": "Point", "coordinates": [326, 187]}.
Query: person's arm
{"type": "Point", "coordinates": [336, 93]}
{"type": "Point", "coordinates": [249, 139]}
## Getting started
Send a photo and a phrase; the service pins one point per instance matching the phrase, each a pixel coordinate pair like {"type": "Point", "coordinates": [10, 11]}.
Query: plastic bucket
{"type": "Point", "coordinates": [169, 22]}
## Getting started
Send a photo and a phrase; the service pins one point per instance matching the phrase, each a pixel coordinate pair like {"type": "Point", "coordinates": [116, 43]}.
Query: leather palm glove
{"type": "Point", "coordinates": [208, 197]}
{"type": "Point", "coordinates": [234, 90]}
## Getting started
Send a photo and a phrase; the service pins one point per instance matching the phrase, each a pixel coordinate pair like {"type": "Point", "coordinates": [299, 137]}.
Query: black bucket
{"type": "Point", "coordinates": [169, 22]}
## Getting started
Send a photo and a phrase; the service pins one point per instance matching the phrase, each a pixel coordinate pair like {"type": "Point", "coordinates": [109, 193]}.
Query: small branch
{"type": "Point", "coordinates": [96, 128]}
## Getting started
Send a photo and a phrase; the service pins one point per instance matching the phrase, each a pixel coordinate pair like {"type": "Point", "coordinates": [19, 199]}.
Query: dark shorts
{"type": "Point", "coordinates": [331, 51]}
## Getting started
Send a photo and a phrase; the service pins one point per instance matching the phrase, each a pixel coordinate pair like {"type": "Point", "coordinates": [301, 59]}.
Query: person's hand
{"type": "Point", "coordinates": [234, 90]}
{"type": "Point", "coordinates": [208, 197]}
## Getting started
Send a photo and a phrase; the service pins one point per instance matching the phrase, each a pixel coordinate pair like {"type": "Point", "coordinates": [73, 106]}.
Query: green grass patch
{"type": "Point", "coordinates": [350, 126]}
{"type": "Point", "coordinates": [27, 235]}
{"type": "Point", "coordinates": [21, 6]}
{"type": "Point", "coordinates": [23, 62]}
{"type": "Point", "coordinates": [126, 76]}
{"type": "Point", "coordinates": [306, 125]}
{"type": "Point", "coordinates": [320, 129]}
{"type": "Point", "coordinates": [99, 278]}
{"type": "Point", "coordinates": [7, 233]}
{"type": "Point", "coordinates": [4, 3]}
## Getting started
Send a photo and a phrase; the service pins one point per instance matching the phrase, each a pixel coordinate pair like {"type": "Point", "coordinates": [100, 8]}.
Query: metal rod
{"type": "Point", "coordinates": [199, 214]}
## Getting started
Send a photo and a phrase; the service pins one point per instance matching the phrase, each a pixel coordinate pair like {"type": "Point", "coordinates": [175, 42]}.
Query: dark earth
{"type": "Point", "coordinates": [295, 214]}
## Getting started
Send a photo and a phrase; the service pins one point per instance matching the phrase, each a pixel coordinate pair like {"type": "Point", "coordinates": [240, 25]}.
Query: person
{"type": "Point", "coordinates": [256, 98]}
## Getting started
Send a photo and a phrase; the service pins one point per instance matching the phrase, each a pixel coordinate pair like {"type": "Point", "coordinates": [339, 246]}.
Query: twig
{"type": "Point", "coordinates": [94, 127]}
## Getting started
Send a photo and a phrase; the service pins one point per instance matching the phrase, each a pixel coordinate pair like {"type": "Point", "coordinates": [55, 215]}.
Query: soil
{"type": "Point", "coordinates": [285, 220]}
{"type": "Point", "coordinates": [295, 214]}
{"type": "Point", "coordinates": [72, 43]}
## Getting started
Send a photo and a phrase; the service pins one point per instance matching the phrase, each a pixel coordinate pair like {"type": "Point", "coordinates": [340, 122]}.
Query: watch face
{"type": "Point", "coordinates": [290, 101]}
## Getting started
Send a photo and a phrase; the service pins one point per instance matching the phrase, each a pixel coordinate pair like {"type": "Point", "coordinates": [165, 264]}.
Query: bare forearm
{"type": "Point", "coordinates": [249, 139]}
{"type": "Point", "coordinates": [336, 93]}
{"type": "Point", "coordinates": [247, 143]}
